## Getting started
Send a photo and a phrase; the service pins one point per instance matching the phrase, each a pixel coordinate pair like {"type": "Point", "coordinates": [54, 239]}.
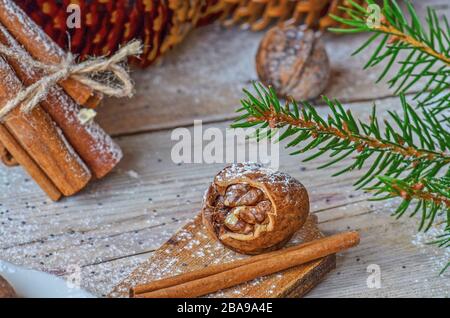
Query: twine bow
{"type": "Point", "coordinates": [32, 95]}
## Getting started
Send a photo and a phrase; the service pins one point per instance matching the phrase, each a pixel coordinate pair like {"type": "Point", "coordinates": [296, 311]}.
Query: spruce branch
{"type": "Point", "coordinates": [426, 46]}
{"type": "Point", "coordinates": [419, 146]}
{"type": "Point", "coordinates": [410, 154]}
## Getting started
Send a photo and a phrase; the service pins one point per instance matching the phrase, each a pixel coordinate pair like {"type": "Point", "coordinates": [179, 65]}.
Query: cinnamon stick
{"type": "Point", "coordinates": [43, 49]}
{"type": "Point", "coordinates": [22, 158]}
{"type": "Point", "coordinates": [42, 140]}
{"type": "Point", "coordinates": [208, 271]}
{"type": "Point", "coordinates": [93, 145]}
{"type": "Point", "coordinates": [270, 264]}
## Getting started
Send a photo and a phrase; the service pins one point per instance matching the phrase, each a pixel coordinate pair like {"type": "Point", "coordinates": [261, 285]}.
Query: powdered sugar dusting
{"type": "Point", "coordinates": [71, 155]}
{"type": "Point", "coordinates": [440, 257]}
{"type": "Point", "coordinates": [242, 170]}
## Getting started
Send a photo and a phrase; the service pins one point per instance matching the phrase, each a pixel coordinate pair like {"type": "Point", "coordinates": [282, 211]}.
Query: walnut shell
{"type": "Point", "coordinates": [6, 290]}
{"type": "Point", "coordinates": [294, 61]}
{"type": "Point", "coordinates": [287, 214]}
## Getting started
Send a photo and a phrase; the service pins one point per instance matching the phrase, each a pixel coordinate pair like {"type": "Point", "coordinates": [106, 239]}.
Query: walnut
{"type": "Point", "coordinates": [6, 291]}
{"type": "Point", "coordinates": [251, 209]}
{"type": "Point", "coordinates": [294, 61]}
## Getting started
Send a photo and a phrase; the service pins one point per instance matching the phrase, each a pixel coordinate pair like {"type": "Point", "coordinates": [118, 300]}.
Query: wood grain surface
{"type": "Point", "coordinates": [119, 222]}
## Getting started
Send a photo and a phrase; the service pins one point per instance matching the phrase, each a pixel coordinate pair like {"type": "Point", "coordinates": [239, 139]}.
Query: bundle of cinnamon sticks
{"type": "Point", "coordinates": [59, 151]}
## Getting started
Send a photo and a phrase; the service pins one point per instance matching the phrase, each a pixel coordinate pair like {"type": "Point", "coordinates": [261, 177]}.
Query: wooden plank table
{"type": "Point", "coordinates": [118, 222]}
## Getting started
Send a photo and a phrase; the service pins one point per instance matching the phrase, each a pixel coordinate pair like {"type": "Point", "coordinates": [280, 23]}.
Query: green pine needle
{"type": "Point", "coordinates": [426, 44]}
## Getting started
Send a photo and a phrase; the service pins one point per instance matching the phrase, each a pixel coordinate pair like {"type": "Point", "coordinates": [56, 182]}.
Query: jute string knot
{"type": "Point", "coordinates": [29, 97]}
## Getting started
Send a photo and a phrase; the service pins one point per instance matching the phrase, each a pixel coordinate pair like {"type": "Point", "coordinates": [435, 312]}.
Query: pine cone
{"type": "Point", "coordinates": [260, 14]}
{"type": "Point", "coordinates": [107, 24]}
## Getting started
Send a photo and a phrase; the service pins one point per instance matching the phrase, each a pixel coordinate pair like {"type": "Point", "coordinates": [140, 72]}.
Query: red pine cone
{"type": "Point", "coordinates": [107, 24]}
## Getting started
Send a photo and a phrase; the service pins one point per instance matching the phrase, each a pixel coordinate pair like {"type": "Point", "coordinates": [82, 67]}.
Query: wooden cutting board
{"type": "Point", "coordinates": [191, 249]}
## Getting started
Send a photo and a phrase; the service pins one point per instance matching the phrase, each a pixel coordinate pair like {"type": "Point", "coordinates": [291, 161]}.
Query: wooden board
{"type": "Point", "coordinates": [192, 249]}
